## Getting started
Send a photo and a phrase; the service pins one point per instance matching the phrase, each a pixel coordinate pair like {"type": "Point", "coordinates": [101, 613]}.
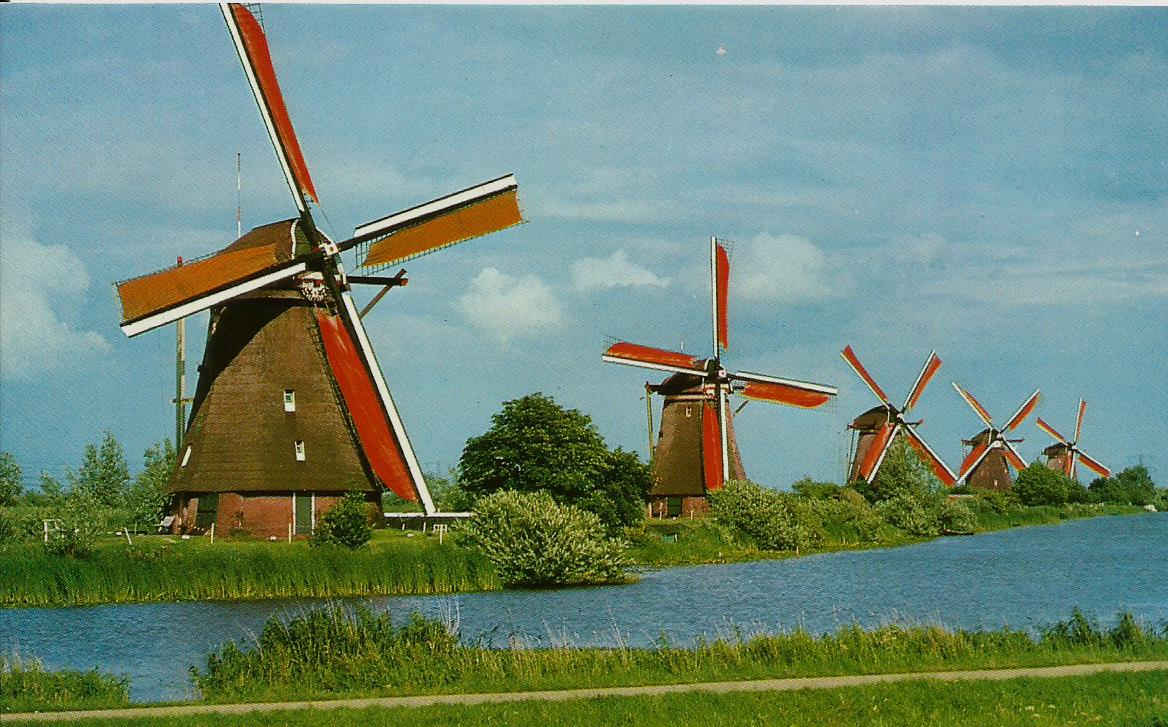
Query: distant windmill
{"type": "Point", "coordinates": [985, 466]}
{"type": "Point", "coordinates": [291, 407]}
{"type": "Point", "coordinates": [879, 426]}
{"type": "Point", "coordinates": [1065, 454]}
{"type": "Point", "coordinates": [696, 450]}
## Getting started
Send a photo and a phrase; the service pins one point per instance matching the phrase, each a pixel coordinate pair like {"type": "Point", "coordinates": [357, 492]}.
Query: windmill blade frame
{"type": "Point", "coordinates": [776, 390]}
{"type": "Point", "coordinates": [849, 357]}
{"type": "Point", "coordinates": [975, 405]}
{"type": "Point", "coordinates": [1012, 455]}
{"type": "Point", "coordinates": [252, 46]}
{"type": "Point", "coordinates": [972, 460]}
{"type": "Point", "coordinates": [1023, 411]}
{"type": "Point", "coordinates": [1079, 419]}
{"type": "Point", "coordinates": [1094, 465]}
{"type": "Point", "coordinates": [874, 457]}
{"type": "Point", "coordinates": [1054, 433]}
{"type": "Point", "coordinates": [719, 295]}
{"type": "Point", "coordinates": [472, 212]}
{"type": "Point", "coordinates": [928, 371]}
{"type": "Point", "coordinates": [647, 357]}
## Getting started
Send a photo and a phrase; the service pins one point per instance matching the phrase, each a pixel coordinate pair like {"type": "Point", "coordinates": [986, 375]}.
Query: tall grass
{"type": "Point", "coordinates": [167, 570]}
{"type": "Point", "coordinates": [26, 686]}
{"type": "Point", "coordinates": [337, 652]}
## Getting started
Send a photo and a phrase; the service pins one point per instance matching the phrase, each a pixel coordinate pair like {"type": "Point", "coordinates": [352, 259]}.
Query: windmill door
{"type": "Point", "coordinates": [303, 513]}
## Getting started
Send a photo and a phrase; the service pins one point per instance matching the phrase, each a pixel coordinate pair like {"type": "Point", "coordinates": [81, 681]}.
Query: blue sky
{"type": "Point", "coordinates": [988, 182]}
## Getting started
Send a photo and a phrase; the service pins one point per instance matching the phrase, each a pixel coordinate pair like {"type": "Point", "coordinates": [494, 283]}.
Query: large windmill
{"type": "Point", "coordinates": [985, 467]}
{"type": "Point", "coordinates": [1065, 454]}
{"type": "Point", "coordinates": [696, 450]}
{"type": "Point", "coordinates": [291, 408]}
{"type": "Point", "coordinates": [879, 426]}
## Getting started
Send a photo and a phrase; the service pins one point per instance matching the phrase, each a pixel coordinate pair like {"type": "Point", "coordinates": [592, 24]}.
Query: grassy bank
{"type": "Point", "coordinates": [160, 568]}
{"type": "Point", "coordinates": [169, 569]}
{"type": "Point", "coordinates": [698, 541]}
{"type": "Point", "coordinates": [26, 686]}
{"type": "Point", "coordinates": [334, 653]}
{"type": "Point", "coordinates": [1105, 699]}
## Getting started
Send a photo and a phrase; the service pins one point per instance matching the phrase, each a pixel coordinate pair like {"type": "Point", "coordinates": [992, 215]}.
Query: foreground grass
{"type": "Point", "coordinates": [27, 686]}
{"type": "Point", "coordinates": [332, 653]}
{"type": "Point", "coordinates": [1106, 699]}
{"type": "Point", "coordinates": [665, 543]}
{"type": "Point", "coordinates": [169, 569]}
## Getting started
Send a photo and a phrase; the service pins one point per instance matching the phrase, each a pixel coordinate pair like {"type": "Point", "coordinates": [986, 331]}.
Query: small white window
{"type": "Point", "coordinates": [186, 456]}
{"type": "Point", "coordinates": [289, 400]}
{"type": "Point", "coordinates": [299, 450]}
{"type": "Point", "coordinates": [688, 412]}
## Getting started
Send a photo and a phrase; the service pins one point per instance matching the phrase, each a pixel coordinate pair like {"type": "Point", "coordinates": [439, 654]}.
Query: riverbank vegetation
{"type": "Point", "coordinates": [26, 686]}
{"type": "Point", "coordinates": [170, 569]}
{"type": "Point", "coordinates": [334, 652]}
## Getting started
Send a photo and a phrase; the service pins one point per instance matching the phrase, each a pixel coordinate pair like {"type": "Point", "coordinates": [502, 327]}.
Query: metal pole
{"type": "Point", "coordinates": [180, 381]}
{"type": "Point", "coordinates": [649, 417]}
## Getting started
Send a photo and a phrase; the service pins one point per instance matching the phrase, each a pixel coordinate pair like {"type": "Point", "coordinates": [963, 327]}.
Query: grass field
{"type": "Point", "coordinates": [1139, 700]}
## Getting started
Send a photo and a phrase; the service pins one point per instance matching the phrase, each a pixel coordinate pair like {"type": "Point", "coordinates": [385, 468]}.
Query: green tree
{"type": "Point", "coordinates": [52, 491]}
{"type": "Point", "coordinates": [1132, 486]}
{"type": "Point", "coordinates": [148, 497]}
{"type": "Point", "coordinates": [104, 474]}
{"type": "Point", "coordinates": [535, 445]}
{"type": "Point", "coordinates": [1041, 485]}
{"type": "Point", "coordinates": [11, 477]}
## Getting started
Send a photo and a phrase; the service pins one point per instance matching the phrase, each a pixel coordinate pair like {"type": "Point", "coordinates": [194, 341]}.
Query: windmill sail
{"type": "Point", "coordinates": [464, 215]}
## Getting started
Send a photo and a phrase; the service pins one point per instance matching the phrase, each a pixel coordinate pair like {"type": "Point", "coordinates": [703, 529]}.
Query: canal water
{"type": "Point", "coordinates": [1024, 578]}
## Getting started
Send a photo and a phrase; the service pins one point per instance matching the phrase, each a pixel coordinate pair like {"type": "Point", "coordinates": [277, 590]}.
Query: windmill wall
{"type": "Point", "coordinates": [1056, 457]}
{"type": "Point", "coordinates": [868, 426]}
{"type": "Point", "coordinates": [678, 488]}
{"type": "Point", "coordinates": [247, 445]}
{"type": "Point", "coordinates": [993, 473]}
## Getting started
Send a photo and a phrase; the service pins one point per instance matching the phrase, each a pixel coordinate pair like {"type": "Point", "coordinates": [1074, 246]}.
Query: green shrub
{"type": "Point", "coordinates": [913, 513]}
{"type": "Point", "coordinates": [774, 520]}
{"type": "Point", "coordinates": [1132, 486]}
{"type": "Point", "coordinates": [808, 487]}
{"type": "Point", "coordinates": [9, 529]}
{"type": "Point", "coordinates": [26, 686]}
{"type": "Point", "coordinates": [347, 523]}
{"type": "Point", "coordinates": [956, 517]}
{"type": "Point", "coordinates": [533, 541]}
{"type": "Point", "coordinates": [1000, 501]}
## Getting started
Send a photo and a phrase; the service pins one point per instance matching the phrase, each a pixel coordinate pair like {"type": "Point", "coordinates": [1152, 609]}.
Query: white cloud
{"type": "Point", "coordinates": [614, 271]}
{"type": "Point", "coordinates": [509, 306]}
{"type": "Point", "coordinates": [34, 339]}
{"type": "Point", "coordinates": [783, 268]}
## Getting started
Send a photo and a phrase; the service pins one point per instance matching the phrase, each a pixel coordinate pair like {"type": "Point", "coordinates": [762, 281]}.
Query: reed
{"type": "Point", "coordinates": [169, 570]}
{"type": "Point", "coordinates": [335, 652]}
{"type": "Point", "coordinates": [25, 686]}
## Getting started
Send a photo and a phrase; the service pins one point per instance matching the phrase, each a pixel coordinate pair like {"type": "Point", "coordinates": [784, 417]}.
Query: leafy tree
{"type": "Point", "coordinates": [104, 474]}
{"type": "Point", "coordinates": [52, 491]}
{"type": "Point", "coordinates": [902, 471]}
{"type": "Point", "coordinates": [1041, 485]}
{"type": "Point", "coordinates": [147, 498]}
{"type": "Point", "coordinates": [531, 540]}
{"type": "Point", "coordinates": [347, 523]}
{"type": "Point", "coordinates": [1132, 486]}
{"type": "Point", "coordinates": [11, 477]}
{"type": "Point", "coordinates": [535, 445]}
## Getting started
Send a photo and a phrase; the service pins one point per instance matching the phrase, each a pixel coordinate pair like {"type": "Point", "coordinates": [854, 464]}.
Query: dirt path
{"type": "Point", "coordinates": [757, 685]}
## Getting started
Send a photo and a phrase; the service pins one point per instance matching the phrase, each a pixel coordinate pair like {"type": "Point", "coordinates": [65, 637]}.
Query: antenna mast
{"type": "Point", "coordinates": [180, 380]}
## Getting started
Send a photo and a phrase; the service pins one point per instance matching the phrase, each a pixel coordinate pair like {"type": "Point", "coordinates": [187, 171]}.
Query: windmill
{"type": "Point", "coordinates": [880, 425]}
{"type": "Point", "coordinates": [696, 450]}
{"type": "Point", "coordinates": [291, 408]}
{"type": "Point", "coordinates": [985, 466]}
{"type": "Point", "coordinates": [1065, 454]}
